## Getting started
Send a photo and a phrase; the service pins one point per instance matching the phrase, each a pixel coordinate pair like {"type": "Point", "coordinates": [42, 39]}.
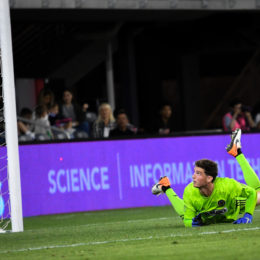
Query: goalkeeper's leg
{"type": "Point", "coordinates": [163, 186]}
{"type": "Point", "coordinates": [250, 176]}
{"type": "Point", "coordinates": [234, 149]}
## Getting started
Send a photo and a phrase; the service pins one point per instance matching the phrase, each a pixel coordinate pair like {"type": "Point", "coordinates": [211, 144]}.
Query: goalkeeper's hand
{"type": "Point", "coordinates": [248, 218]}
{"type": "Point", "coordinates": [197, 221]}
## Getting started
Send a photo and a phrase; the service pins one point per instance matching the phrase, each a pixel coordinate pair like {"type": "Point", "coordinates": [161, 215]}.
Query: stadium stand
{"type": "Point", "coordinates": [158, 51]}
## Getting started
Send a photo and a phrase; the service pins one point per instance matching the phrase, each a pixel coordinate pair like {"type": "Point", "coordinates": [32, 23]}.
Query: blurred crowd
{"type": "Point", "coordinates": [67, 119]}
{"type": "Point", "coordinates": [51, 120]}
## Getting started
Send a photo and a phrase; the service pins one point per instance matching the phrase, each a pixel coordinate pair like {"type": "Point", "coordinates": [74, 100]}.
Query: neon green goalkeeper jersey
{"type": "Point", "coordinates": [228, 199]}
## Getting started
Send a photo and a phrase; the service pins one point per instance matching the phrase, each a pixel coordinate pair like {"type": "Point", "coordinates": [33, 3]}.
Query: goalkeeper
{"type": "Point", "coordinates": [211, 199]}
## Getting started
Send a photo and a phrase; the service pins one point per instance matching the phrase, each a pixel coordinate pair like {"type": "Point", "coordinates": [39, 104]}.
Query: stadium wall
{"type": "Point", "coordinates": [112, 174]}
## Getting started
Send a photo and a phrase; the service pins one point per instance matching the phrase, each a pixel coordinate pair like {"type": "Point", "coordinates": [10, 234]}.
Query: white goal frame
{"type": "Point", "coordinates": [10, 118]}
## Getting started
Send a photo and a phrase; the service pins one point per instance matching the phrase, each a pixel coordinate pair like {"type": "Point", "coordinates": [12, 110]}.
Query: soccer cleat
{"type": "Point", "coordinates": [157, 188]}
{"type": "Point", "coordinates": [235, 143]}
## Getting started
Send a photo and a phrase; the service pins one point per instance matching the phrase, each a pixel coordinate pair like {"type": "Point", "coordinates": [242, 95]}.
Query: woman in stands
{"type": "Point", "coordinates": [104, 123]}
{"type": "Point", "coordinates": [70, 110]}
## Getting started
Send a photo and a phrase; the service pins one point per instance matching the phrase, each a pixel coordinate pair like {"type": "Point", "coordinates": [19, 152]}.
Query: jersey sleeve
{"type": "Point", "coordinates": [251, 199]}
{"type": "Point", "coordinates": [189, 211]}
{"type": "Point", "coordinates": [246, 192]}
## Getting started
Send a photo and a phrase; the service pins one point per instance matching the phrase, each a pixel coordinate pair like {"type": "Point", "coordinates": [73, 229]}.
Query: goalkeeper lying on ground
{"type": "Point", "coordinates": [211, 199]}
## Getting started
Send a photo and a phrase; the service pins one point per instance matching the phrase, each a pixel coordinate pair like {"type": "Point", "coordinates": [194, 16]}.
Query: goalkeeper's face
{"type": "Point", "coordinates": [200, 178]}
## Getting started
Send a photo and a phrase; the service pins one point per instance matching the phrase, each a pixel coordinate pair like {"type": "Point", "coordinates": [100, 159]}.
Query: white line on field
{"type": "Point", "coordinates": [126, 240]}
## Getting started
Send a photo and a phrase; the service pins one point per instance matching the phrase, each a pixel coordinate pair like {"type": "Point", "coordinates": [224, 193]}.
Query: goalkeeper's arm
{"type": "Point", "coordinates": [191, 217]}
{"type": "Point", "coordinates": [189, 213]}
{"type": "Point", "coordinates": [249, 207]}
{"type": "Point", "coordinates": [251, 200]}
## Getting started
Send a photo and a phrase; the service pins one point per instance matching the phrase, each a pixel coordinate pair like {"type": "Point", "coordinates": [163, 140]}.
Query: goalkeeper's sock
{"type": "Point", "coordinates": [176, 202]}
{"type": "Point", "coordinates": [250, 176]}
{"type": "Point", "coordinates": [239, 151]}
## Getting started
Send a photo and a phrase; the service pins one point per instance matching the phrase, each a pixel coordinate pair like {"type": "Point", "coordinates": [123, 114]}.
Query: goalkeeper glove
{"type": "Point", "coordinates": [248, 218]}
{"type": "Point", "coordinates": [197, 221]}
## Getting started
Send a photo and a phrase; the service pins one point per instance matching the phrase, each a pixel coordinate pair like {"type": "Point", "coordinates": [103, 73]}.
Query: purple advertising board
{"type": "Point", "coordinates": [99, 175]}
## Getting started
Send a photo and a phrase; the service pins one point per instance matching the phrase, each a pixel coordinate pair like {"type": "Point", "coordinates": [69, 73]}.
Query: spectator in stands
{"type": "Point", "coordinates": [54, 115]}
{"type": "Point", "coordinates": [257, 115]}
{"type": "Point", "coordinates": [123, 127]}
{"type": "Point", "coordinates": [25, 129]}
{"type": "Point", "coordinates": [239, 116]}
{"type": "Point", "coordinates": [90, 115]}
{"type": "Point", "coordinates": [42, 124]}
{"type": "Point", "coordinates": [164, 125]}
{"type": "Point", "coordinates": [46, 98]}
{"type": "Point", "coordinates": [57, 121]}
{"type": "Point", "coordinates": [104, 123]}
{"type": "Point", "coordinates": [71, 110]}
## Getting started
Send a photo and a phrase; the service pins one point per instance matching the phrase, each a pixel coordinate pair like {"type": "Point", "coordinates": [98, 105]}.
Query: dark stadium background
{"type": "Point", "coordinates": [196, 60]}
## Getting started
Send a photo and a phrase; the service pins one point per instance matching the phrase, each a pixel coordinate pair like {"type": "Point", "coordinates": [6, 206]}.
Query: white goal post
{"type": "Point", "coordinates": [10, 117]}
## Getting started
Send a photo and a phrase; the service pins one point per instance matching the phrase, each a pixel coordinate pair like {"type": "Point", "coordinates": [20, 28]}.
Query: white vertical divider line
{"type": "Point", "coordinates": [119, 176]}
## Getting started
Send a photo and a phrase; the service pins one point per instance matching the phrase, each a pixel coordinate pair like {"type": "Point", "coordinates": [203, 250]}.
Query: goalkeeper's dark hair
{"type": "Point", "coordinates": [210, 167]}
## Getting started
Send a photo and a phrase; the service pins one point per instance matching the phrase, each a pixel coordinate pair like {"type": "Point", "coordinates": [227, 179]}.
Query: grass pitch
{"type": "Point", "coordinates": [142, 233]}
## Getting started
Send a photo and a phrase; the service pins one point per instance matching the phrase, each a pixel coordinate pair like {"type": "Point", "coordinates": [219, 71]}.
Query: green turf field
{"type": "Point", "coordinates": [143, 233]}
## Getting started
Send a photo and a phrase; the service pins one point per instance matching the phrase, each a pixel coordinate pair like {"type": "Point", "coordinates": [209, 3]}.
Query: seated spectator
{"type": "Point", "coordinates": [25, 129]}
{"type": "Point", "coordinates": [90, 115]}
{"type": "Point", "coordinates": [239, 116]}
{"type": "Point", "coordinates": [257, 116]}
{"type": "Point", "coordinates": [57, 121]}
{"type": "Point", "coordinates": [164, 124]}
{"type": "Point", "coordinates": [71, 110]}
{"type": "Point", "coordinates": [123, 128]}
{"type": "Point", "coordinates": [104, 123]}
{"type": "Point", "coordinates": [54, 115]}
{"type": "Point", "coordinates": [42, 123]}
{"type": "Point", "coordinates": [46, 98]}
{"type": "Point", "coordinates": [257, 121]}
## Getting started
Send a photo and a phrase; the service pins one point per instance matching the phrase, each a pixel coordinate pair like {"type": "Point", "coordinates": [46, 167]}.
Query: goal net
{"type": "Point", "coordinates": [10, 187]}
{"type": "Point", "coordinates": [5, 218]}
